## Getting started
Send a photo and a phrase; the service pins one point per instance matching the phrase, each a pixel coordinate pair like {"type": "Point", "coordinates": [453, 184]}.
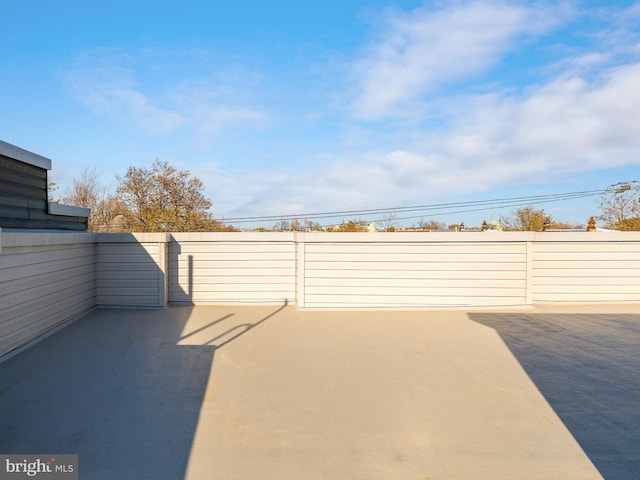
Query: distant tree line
{"type": "Point", "coordinates": [164, 199]}
{"type": "Point", "coordinates": [619, 206]}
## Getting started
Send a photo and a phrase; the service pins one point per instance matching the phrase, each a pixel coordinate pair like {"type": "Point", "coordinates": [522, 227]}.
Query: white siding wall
{"type": "Point", "coordinates": [228, 268]}
{"type": "Point", "coordinates": [437, 271]}
{"type": "Point", "coordinates": [49, 278]}
{"type": "Point", "coordinates": [131, 269]}
{"type": "Point", "coordinates": [595, 271]}
{"type": "Point", "coordinates": [45, 280]}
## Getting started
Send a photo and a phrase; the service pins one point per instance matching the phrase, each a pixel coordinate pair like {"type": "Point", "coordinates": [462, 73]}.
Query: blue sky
{"type": "Point", "coordinates": [288, 107]}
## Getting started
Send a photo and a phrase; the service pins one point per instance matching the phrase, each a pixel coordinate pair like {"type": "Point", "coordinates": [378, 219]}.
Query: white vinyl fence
{"type": "Point", "coordinates": [131, 269]}
{"type": "Point", "coordinates": [49, 278]}
{"type": "Point", "coordinates": [45, 280]}
{"type": "Point", "coordinates": [406, 274]}
{"type": "Point", "coordinates": [230, 268]}
{"type": "Point", "coordinates": [584, 272]}
{"type": "Point", "coordinates": [405, 270]}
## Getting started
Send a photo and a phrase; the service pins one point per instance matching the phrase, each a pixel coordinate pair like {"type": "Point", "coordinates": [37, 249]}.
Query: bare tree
{"type": "Point", "coordinates": [431, 225]}
{"type": "Point", "coordinates": [282, 226]}
{"type": "Point", "coordinates": [388, 222]}
{"type": "Point", "coordinates": [311, 226]}
{"type": "Point", "coordinates": [87, 192]}
{"type": "Point", "coordinates": [620, 206]}
{"type": "Point", "coordinates": [51, 188]}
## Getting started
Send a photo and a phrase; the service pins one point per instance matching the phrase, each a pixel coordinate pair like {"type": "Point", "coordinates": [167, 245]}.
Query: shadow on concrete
{"type": "Point", "coordinates": [586, 366]}
{"type": "Point", "coordinates": [115, 388]}
{"type": "Point", "coordinates": [236, 331]}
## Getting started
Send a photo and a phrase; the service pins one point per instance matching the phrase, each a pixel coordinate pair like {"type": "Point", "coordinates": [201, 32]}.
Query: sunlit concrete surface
{"type": "Point", "coordinates": [272, 392]}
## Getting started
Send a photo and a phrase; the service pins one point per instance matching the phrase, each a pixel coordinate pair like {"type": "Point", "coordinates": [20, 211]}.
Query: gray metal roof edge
{"type": "Point", "coordinates": [25, 156]}
{"type": "Point", "coordinates": [68, 210]}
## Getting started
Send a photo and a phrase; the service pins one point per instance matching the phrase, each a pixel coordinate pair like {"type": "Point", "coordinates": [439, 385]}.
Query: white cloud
{"type": "Point", "coordinates": [566, 127]}
{"type": "Point", "coordinates": [582, 64]}
{"type": "Point", "coordinates": [214, 105]}
{"type": "Point", "coordinates": [424, 49]}
{"type": "Point", "coordinates": [105, 82]}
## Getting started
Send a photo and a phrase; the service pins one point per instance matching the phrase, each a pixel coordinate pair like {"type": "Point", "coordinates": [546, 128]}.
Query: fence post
{"type": "Point", "coordinates": [300, 273]}
{"type": "Point", "coordinates": [163, 271]}
{"type": "Point", "coordinates": [529, 274]}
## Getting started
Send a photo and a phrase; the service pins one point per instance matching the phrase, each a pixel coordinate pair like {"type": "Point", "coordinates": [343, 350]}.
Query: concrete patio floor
{"type": "Point", "coordinates": [275, 393]}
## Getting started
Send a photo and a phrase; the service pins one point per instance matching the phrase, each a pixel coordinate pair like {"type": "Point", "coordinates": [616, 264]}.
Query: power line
{"type": "Point", "coordinates": [432, 209]}
{"type": "Point", "coordinates": [505, 205]}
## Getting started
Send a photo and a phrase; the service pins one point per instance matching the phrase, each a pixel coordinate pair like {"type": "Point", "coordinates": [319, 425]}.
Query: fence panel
{"type": "Point", "coordinates": [45, 280]}
{"type": "Point", "coordinates": [410, 274]}
{"type": "Point", "coordinates": [250, 268]}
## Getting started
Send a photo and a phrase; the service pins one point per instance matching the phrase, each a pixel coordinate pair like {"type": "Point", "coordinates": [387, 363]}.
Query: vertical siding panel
{"type": "Point", "coordinates": [163, 274]}
{"type": "Point", "coordinates": [301, 275]}
{"type": "Point", "coordinates": [529, 272]}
